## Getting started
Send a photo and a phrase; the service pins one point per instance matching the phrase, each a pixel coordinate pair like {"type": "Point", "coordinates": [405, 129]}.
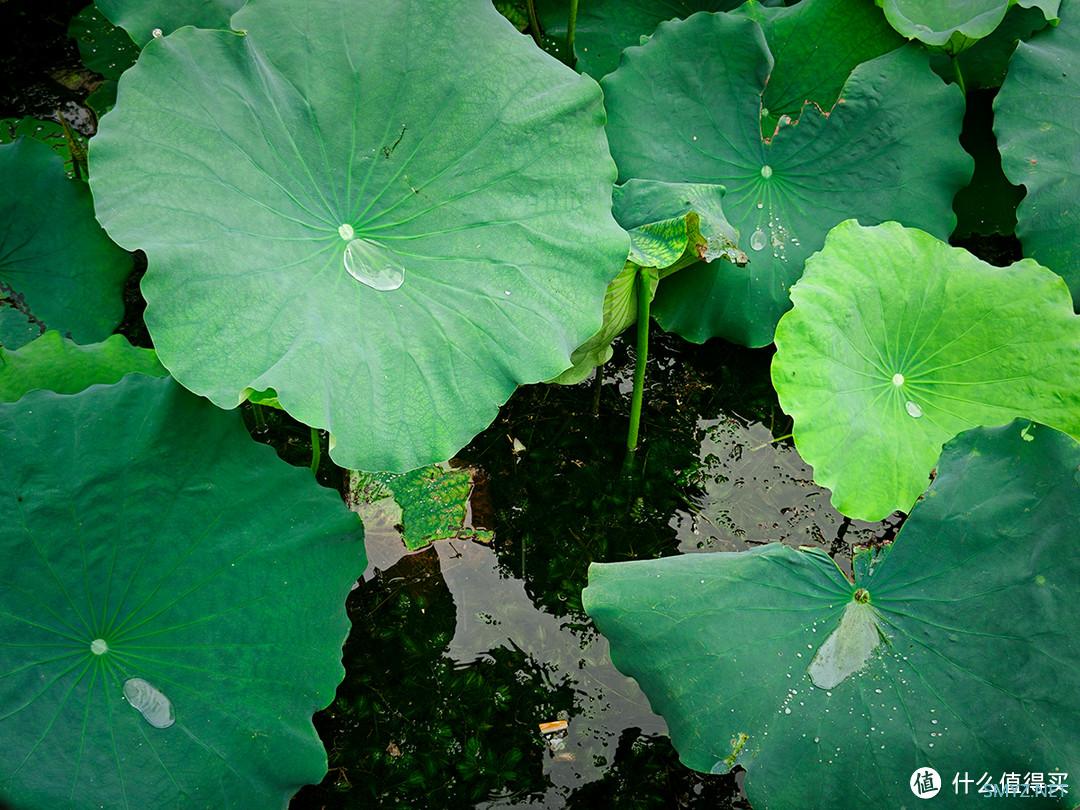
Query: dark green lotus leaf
{"type": "Point", "coordinates": [605, 27]}
{"type": "Point", "coordinates": [393, 266]}
{"type": "Point", "coordinates": [171, 604]}
{"type": "Point", "coordinates": [55, 363]}
{"type": "Point", "coordinates": [1035, 123]}
{"type": "Point", "coordinates": [957, 645]}
{"type": "Point", "coordinates": [59, 140]}
{"type": "Point", "coordinates": [984, 64]}
{"type": "Point", "coordinates": [898, 342]}
{"type": "Point", "coordinates": [16, 328]}
{"type": "Point", "coordinates": [145, 19]}
{"type": "Point", "coordinates": [53, 254]}
{"type": "Point", "coordinates": [815, 45]}
{"type": "Point", "coordinates": [104, 47]}
{"type": "Point", "coordinates": [957, 24]}
{"type": "Point", "coordinates": [887, 150]}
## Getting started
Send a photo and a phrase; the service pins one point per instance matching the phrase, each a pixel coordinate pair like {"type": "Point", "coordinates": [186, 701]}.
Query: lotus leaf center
{"type": "Point", "coordinates": [346, 232]}
{"type": "Point", "coordinates": [897, 380]}
{"type": "Point", "coordinates": [862, 596]}
{"type": "Point", "coordinates": [766, 171]}
{"type": "Point", "coordinates": [98, 646]}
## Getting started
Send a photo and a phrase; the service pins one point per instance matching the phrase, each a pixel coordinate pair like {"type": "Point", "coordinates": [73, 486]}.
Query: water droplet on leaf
{"type": "Point", "coordinates": [150, 702]}
{"type": "Point", "coordinates": [374, 265]}
{"type": "Point", "coordinates": [157, 33]}
{"type": "Point", "coordinates": [757, 239]}
{"type": "Point", "coordinates": [913, 409]}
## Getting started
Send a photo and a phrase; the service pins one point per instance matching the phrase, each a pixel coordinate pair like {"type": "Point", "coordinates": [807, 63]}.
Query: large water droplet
{"type": "Point", "coordinates": [98, 646]}
{"type": "Point", "coordinates": [757, 239]}
{"type": "Point", "coordinates": [912, 409]}
{"type": "Point", "coordinates": [374, 265]}
{"type": "Point", "coordinates": [150, 702]}
{"type": "Point", "coordinates": [156, 33]}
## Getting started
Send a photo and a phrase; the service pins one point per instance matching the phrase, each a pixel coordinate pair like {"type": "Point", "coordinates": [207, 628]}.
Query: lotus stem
{"type": "Point", "coordinates": [643, 302]}
{"type": "Point", "coordinates": [598, 389]}
{"type": "Point", "coordinates": [534, 22]}
{"type": "Point", "coordinates": [316, 451]}
{"type": "Point", "coordinates": [257, 412]}
{"type": "Point", "coordinates": [571, 25]}
{"type": "Point", "coordinates": [959, 74]}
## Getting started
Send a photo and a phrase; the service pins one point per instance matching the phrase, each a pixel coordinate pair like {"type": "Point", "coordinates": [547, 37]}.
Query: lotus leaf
{"type": "Point", "coordinates": [16, 329]}
{"type": "Point", "coordinates": [104, 48]}
{"type": "Point", "coordinates": [957, 644]}
{"type": "Point", "coordinates": [63, 141]}
{"type": "Point", "coordinates": [392, 267]}
{"type": "Point", "coordinates": [145, 19]}
{"type": "Point", "coordinates": [815, 44]}
{"type": "Point", "coordinates": [957, 24]}
{"type": "Point", "coordinates": [53, 254]}
{"type": "Point", "coordinates": [1034, 119]}
{"type": "Point", "coordinates": [171, 604]}
{"type": "Point", "coordinates": [55, 363]}
{"type": "Point", "coordinates": [605, 27]}
{"type": "Point", "coordinates": [898, 342]}
{"type": "Point", "coordinates": [671, 226]}
{"type": "Point", "coordinates": [686, 107]}
{"type": "Point", "coordinates": [985, 63]}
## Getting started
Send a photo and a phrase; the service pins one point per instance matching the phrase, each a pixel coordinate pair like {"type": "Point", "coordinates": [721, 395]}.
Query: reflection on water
{"type": "Point", "coordinates": [459, 653]}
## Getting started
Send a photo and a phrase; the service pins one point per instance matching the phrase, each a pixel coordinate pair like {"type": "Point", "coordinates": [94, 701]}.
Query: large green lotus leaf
{"type": "Point", "coordinates": [171, 604]}
{"type": "Point", "coordinates": [605, 27]}
{"type": "Point", "coordinates": [53, 254]}
{"type": "Point", "coordinates": [956, 24]}
{"type": "Point", "coordinates": [898, 342]}
{"type": "Point", "coordinates": [55, 363]}
{"type": "Point", "coordinates": [686, 107]}
{"type": "Point", "coordinates": [815, 45]}
{"type": "Point", "coordinates": [1035, 124]}
{"type": "Point", "coordinates": [954, 651]}
{"type": "Point", "coordinates": [143, 19]}
{"type": "Point", "coordinates": [104, 47]}
{"type": "Point", "coordinates": [392, 266]}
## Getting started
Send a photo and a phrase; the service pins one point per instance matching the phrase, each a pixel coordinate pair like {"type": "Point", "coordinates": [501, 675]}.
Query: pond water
{"type": "Point", "coordinates": [460, 652]}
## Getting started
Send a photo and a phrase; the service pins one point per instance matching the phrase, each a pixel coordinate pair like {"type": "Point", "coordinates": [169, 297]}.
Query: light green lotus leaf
{"type": "Point", "coordinates": [897, 342]}
{"type": "Point", "coordinates": [1035, 124]}
{"type": "Point", "coordinates": [171, 604]}
{"type": "Point", "coordinates": [394, 266]}
{"type": "Point", "coordinates": [145, 19]}
{"type": "Point", "coordinates": [104, 47]}
{"type": "Point", "coordinates": [55, 363]}
{"type": "Point", "coordinates": [815, 44]}
{"type": "Point", "coordinates": [887, 150]}
{"type": "Point", "coordinates": [53, 254]}
{"type": "Point", "coordinates": [956, 645]}
{"type": "Point", "coordinates": [605, 27]}
{"type": "Point", "coordinates": [955, 25]}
